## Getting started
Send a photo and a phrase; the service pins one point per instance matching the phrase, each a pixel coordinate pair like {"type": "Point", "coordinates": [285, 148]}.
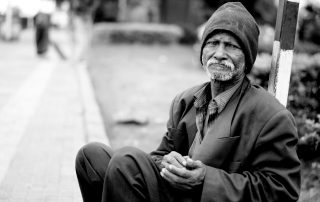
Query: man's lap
{"type": "Point", "coordinates": [130, 162]}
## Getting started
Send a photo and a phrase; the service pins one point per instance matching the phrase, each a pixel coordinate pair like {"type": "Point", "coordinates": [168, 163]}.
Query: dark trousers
{"type": "Point", "coordinates": [128, 174]}
{"type": "Point", "coordinates": [42, 40]}
{"type": "Point", "coordinates": [42, 25]}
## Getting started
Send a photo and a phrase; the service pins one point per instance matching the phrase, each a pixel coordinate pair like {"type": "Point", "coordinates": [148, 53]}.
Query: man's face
{"type": "Point", "coordinates": [223, 58]}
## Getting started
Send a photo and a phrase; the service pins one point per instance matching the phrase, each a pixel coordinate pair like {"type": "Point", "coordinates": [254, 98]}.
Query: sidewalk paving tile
{"type": "Point", "coordinates": [48, 112]}
{"type": "Point", "coordinates": [42, 168]}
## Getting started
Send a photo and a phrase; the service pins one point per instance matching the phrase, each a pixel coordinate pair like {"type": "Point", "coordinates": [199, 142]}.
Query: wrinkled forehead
{"type": "Point", "coordinates": [224, 35]}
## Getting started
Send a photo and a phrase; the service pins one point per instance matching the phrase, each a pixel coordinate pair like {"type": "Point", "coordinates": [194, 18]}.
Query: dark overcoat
{"type": "Point", "coordinates": [250, 154]}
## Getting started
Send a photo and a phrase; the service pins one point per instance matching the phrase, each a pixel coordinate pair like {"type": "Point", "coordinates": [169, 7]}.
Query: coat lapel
{"type": "Point", "coordinates": [191, 126]}
{"type": "Point", "coordinates": [218, 141]}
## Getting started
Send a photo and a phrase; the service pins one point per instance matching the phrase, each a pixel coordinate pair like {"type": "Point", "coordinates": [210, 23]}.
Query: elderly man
{"type": "Point", "coordinates": [227, 140]}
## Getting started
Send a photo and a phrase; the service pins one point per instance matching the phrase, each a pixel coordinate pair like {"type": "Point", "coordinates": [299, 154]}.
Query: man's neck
{"type": "Point", "coordinates": [218, 87]}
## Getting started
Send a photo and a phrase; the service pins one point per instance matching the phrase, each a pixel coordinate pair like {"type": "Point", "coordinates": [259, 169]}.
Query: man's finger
{"type": "Point", "coordinates": [181, 172]}
{"type": "Point", "coordinates": [168, 176]}
{"type": "Point", "coordinates": [174, 158]}
{"type": "Point", "coordinates": [179, 158]}
{"type": "Point", "coordinates": [164, 164]}
{"type": "Point", "coordinates": [169, 159]}
{"type": "Point", "coordinates": [191, 164]}
{"type": "Point", "coordinates": [175, 180]}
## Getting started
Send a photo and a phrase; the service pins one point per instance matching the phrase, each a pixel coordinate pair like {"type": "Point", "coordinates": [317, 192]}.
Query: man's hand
{"type": "Point", "coordinates": [187, 177]}
{"type": "Point", "coordinates": [175, 159]}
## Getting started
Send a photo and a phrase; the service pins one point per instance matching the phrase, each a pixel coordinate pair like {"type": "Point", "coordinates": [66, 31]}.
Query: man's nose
{"type": "Point", "coordinates": [220, 52]}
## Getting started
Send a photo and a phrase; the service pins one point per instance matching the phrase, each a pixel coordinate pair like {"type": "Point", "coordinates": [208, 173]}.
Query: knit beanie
{"type": "Point", "coordinates": [234, 18]}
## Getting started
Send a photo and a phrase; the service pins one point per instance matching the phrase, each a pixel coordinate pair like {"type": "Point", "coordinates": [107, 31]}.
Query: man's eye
{"type": "Point", "coordinates": [233, 46]}
{"type": "Point", "coordinates": [212, 43]}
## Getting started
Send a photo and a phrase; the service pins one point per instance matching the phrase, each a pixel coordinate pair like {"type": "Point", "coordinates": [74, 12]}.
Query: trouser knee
{"type": "Point", "coordinates": [131, 176]}
{"type": "Point", "coordinates": [95, 157]}
{"type": "Point", "coordinates": [126, 160]}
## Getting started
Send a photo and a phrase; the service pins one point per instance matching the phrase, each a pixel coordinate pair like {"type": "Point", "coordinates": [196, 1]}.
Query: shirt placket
{"type": "Point", "coordinates": [200, 118]}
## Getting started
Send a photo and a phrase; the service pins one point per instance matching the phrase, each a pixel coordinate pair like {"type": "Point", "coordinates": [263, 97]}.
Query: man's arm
{"type": "Point", "coordinates": [176, 137]}
{"type": "Point", "coordinates": [167, 144]}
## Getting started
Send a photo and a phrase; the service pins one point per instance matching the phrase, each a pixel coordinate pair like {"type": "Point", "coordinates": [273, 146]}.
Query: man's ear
{"type": "Point", "coordinates": [202, 61]}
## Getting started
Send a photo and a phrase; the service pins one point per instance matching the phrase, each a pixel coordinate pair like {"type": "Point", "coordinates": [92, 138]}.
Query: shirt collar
{"type": "Point", "coordinates": [203, 96]}
{"type": "Point", "coordinates": [223, 98]}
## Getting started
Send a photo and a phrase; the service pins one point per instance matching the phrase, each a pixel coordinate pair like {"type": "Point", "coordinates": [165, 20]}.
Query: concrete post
{"type": "Point", "coordinates": [282, 53]}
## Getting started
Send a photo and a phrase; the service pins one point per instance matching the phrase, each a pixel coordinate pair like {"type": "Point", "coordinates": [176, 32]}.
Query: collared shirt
{"type": "Point", "coordinates": [207, 107]}
{"type": "Point", "coordinates": [207, 110]}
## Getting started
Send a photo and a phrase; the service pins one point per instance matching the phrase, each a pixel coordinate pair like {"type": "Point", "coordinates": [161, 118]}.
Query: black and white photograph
{"type": "Point", "coordinates": [159, 101]}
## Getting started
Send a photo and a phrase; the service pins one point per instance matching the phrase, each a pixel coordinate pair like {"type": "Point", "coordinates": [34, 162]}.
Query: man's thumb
{"type": "Point", "coordinates": [191, 164]}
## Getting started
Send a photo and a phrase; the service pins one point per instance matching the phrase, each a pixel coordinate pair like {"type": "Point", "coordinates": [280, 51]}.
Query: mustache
{"type": "Point", "coordinates": [226, 64]}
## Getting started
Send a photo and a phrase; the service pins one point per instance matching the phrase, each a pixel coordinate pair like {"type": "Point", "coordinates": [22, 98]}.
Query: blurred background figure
{"type": "Point", "coordinates": [82, 13]}
{"type": "Point", "coordinates": [9, 21]}
{"type": "Point", "coordinates": [310, 23]}
{"type": "Point", "coordinates": [42, 25]}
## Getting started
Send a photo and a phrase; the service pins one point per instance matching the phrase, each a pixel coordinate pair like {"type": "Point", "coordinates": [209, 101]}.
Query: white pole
{"type": "Point", "coordinates": [282, 54]}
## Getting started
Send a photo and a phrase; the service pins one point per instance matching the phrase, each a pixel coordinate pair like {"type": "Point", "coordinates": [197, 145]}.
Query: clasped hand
{"type": "Point", "coordinates": [182, 172]}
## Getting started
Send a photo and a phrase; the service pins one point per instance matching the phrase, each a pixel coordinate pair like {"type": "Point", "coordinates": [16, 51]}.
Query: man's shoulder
{"type": "Point", "coordinates": [258, 97]}
{"type": "Point", "coordinates": [189, 93]}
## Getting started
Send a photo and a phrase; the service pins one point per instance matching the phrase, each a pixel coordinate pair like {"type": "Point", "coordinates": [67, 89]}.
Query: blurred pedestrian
{"type": "Point", "coordinates": [82, 14]}
{"type": "Point", "coordinates": [42, 27]}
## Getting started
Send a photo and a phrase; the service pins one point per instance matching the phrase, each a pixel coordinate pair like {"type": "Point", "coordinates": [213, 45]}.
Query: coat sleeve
{"type": "Point", "coordinates": [273, 173]}
{"type": "Point", "coordinates": [167, 143]}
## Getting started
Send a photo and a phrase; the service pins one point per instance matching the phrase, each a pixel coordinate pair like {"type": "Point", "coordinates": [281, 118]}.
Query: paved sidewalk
{"type": "Point", "coordinates": [48, 113]}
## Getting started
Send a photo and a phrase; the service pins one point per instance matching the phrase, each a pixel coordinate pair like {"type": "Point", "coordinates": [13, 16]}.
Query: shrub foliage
{"type": "Point", "coordinates": [145, 33]}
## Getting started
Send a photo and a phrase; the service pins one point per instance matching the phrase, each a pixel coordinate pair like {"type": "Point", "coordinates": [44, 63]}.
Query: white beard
{"type": "Point", "coordinates": [219, 76]}
{"type": "Point", "coordinates": [223, 71]}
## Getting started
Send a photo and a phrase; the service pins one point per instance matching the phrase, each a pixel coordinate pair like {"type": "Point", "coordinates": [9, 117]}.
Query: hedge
{"type": "Point", "coordinates": [145, 33]}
